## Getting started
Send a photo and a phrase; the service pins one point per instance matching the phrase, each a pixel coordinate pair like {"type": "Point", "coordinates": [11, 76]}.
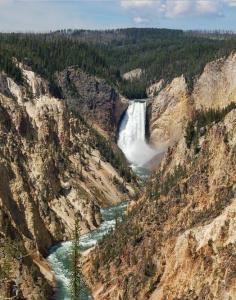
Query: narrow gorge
{"type": "Point", "coordinates": [178, 240]}
{"type": "Point", "coordinates": [53, 165]}
{"type": "Point", "coordinates": [132, 141]}
{"type": "Point", "coordinates": [126, 140]}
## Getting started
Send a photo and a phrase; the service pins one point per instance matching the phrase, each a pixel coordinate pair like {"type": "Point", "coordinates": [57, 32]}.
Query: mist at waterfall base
{"type": "Point", "coordinates": [132, 138]}
{"type": "Point", "coordinates": [133, 144]}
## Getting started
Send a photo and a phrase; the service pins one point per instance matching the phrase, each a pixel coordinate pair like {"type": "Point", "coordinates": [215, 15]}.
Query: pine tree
{"type": "Point", "coordinates": [99, 164]}
{"type": "Point", "coordinates": [75, 271]}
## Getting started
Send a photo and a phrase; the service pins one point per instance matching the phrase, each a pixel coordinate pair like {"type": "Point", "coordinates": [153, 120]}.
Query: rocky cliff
{"type": "Point", "coordinates": [133, 74]}
{"type": "Point", "coordinates": [216, 87]}
{"type": "Point", "coordinates": [98, 102]}
{"type": "Point", "coordinates": [168, 114]}
{"type": "Point", "coordinates": [172, 105]}
{"type": "Point", "coordinates": [178, 240]}
{"type": "Point", "coordinates": [51, 167]}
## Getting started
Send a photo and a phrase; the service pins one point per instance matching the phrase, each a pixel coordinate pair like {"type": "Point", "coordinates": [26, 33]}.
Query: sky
{"type": "Point", "coordinates": [46, 15]}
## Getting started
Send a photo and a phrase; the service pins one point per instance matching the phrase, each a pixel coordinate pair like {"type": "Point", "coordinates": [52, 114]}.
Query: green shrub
{"type": "Point", "coordinates": [149, 269]}
{"type": "Point", "coordinates": [204, 119]}
{"type": "Point", "coordinates": [163, 184]}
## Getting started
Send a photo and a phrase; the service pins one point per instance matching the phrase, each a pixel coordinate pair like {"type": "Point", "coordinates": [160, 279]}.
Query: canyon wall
{"type": "Point", "coordinates": [98, 102]}
{"type": "Point", "coordinates": [168, 113]}
{"type": "Point", "coordinates": [178, 240]}
{"type": "Point", "coordinates": [173, 104]}
{"type": "Point", "coordinates": [51, 168]}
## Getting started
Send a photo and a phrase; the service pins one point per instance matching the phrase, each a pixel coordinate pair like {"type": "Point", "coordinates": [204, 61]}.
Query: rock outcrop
{"type": "Point", "coordinates": [155, 88]}
{"type": "Point", "coordinates": [98, 102]}
{"type": "Point", "coordinates": [173, 105]}
{"type": "Point", "coordinates": [216, 87]}
{"type": "Point", "coordinates": [51, 169]}
{"type": "Point", "coordinates": [169, 113]}
{"type": "Point", "coordinates": [178, 240]}
{"type": "Point", "coordinates": [133, 74]}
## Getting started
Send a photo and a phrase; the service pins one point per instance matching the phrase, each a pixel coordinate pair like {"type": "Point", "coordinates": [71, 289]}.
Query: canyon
{"type": "Point", "coordinates": [178, 240]}
{"type": "Point", "coordinates": [51, 169]}
{"type": "Point", "coordinates": [59, 158]}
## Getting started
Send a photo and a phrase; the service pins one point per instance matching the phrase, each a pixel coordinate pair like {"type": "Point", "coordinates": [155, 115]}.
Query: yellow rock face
{"type": "Point", "coordinates": [169, 113]}
{"type": "Point", "coordinates": [49, 170]}
{"type": "Point", "coordinates": [174, 104]}
{"type": "Point", "coordinates": [216, 87]}
{"type": "Point", "coordinates": [180, 241]}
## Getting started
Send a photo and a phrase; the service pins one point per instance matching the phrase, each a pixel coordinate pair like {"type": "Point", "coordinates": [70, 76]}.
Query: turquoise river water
{"type": "Point", "coordinates": [59, 256]}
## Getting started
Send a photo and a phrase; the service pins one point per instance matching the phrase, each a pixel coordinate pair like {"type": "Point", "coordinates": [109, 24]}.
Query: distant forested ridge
{"type": "Point", "coordinates": [161, 53]}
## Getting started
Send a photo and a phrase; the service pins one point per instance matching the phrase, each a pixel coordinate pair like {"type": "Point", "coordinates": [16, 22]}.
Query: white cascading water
{"type": "Point", "coordinates": [132, 139]}
{"type": "Point", "coordinates": [132, 142]}
{"type": "Point", "coordinates": [60, 255]}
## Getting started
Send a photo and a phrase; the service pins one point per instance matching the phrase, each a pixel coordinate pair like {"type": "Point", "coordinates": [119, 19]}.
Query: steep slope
{"type": "Point", "coordinates": [98, 102]}
{"type": "Point", "coordinates": [216, 87]}
{"type": "Point", "coordinates": [178, 240]}
{"type": "Point", "coordinates": [51, 167]}
{"type": "Point", "coordinates": [173, 105]}
{"type": "Point", "coordinates": [169, 112]}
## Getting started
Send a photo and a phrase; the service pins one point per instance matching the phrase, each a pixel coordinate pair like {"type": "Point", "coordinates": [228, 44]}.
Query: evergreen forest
{"type": "Point", "coordinates": [160, 53]}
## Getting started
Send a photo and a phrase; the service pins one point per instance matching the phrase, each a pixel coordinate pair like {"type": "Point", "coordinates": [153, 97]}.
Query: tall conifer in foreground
{"type": "Point", "coordinates": [75, 271]}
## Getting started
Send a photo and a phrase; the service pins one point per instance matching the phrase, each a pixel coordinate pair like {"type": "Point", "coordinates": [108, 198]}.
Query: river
{"type": "Point", "coordinates": [59, 256]}
{"type": "Point", "coordinates": [132, 141]}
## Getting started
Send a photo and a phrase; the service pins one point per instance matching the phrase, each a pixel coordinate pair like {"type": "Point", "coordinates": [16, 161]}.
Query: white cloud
{"type": "Point", "coordinates": [176, 8]}
{"type": "Point", "coordinates": [140, 20]}
{"type": "Point", "coordinates": [136, 3]}
{"type": "Point", "coordinates": [208, 7]}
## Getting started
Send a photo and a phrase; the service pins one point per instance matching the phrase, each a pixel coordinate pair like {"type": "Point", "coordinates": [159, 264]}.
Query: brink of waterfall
{"type": "Point", "coordinates": [132, 140]}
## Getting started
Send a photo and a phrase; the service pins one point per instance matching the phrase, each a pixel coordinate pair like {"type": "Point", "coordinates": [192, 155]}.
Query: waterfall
{"type": "Point", "coordinates": [132, 139]}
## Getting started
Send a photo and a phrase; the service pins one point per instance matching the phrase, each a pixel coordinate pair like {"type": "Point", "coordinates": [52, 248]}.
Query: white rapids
{"type": "Point", "coordinates": [132, 139]}
{"type": "Point", "coordinates": [133, 143]}
{"type": "Point", "coordinates": [60, 255]}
